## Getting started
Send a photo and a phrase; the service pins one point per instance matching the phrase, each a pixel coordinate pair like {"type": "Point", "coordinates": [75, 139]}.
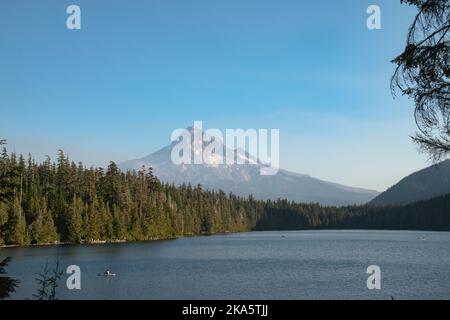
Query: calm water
{"type": "Point", "coordinates": [255, 265]}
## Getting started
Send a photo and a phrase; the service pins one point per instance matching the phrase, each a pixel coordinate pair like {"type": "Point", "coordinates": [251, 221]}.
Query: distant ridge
{"type": "Point", "coordinates": [425, 184]}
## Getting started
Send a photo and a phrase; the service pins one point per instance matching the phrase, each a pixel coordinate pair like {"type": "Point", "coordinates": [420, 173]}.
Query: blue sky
{"type": "Point", "coordinates": [137, 70]}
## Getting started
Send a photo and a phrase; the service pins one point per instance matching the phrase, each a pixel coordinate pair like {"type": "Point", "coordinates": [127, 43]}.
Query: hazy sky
{"type": "Point", "coordinates": [137, 70]}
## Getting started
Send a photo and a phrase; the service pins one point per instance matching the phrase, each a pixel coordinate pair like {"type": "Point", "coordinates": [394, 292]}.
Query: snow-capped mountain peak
{"type": "Point", "coordinates": [243, 178]}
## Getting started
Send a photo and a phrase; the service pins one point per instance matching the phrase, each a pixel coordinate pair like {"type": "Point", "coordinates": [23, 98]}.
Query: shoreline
{"type": "Point", "coordinates": [119, 241]}
{"type": "Point", "coordinates": [97, 242]}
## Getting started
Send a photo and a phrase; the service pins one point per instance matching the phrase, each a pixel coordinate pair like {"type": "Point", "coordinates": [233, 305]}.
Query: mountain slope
{"type": "Point", "coordinates": [245, 180]}
{"type": "Point", "coordinates": [425, 184]}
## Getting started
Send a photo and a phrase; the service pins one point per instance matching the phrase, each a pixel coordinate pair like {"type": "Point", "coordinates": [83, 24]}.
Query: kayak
{"type": "Point", "coordinates": [106, 274]}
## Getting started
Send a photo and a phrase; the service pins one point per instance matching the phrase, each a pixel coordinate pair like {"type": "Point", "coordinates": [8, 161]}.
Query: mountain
{"type": "Point", "coordinates": [425, 184]}
{"type": "Point", "coordinates": [245, 179]}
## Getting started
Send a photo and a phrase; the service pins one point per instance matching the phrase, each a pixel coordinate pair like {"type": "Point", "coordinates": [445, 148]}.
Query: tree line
{"type": "Point", "coordinates": [61, 201]}
{"type": "Point", "coordinates": [433, 215]}
{"type": "Point", "coordinates": [66, 202]}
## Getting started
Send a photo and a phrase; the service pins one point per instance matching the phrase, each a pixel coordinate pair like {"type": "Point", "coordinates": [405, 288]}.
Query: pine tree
{"type": "Point", "coordinates": [75, 221]}
{"type": "Point", "coordinates": [16, 228]}
{"type": "Point", "coordinates": [92, 221]}
{"type": "Point", "coordinates": [119, 226]}
{"type": "Point", "coordinates": [3, 221]}
{"type": "Point", "coordinates": [8, 175]}
{"type": "Point", "coordinates": [43, 229]}
{"type": "Point", "coordinates": [111, 185]}
{"type": "Point", "coordinates": [107, 230]}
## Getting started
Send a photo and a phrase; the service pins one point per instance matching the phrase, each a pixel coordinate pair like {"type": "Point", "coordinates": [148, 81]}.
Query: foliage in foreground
{"type": "Point", "coordinates": [7, 284]}
{"type": "Point", "coordinates": [48, 281]}
{"type": "Point", "coordinates": [423, 74]}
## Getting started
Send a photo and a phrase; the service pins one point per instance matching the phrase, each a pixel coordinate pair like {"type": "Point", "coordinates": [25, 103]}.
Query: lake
{"type": "Point", "coordinates": [253, 265]}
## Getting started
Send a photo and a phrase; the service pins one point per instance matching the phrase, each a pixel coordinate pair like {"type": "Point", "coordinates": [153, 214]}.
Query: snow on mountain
{"type": "Point", "coordinates": [245, 179]}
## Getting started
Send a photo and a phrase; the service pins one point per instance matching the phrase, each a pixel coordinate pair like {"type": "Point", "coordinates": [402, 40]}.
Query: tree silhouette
{"type": "Point", "coordinates": [423, 74]}
{"type": "Point", "coordinates": [7, 285]}
{"type": "Point", "coordinates": [48, 281]}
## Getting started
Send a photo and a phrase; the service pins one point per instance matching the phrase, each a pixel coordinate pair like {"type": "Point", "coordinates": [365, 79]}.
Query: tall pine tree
{"type": "Point", "coordinates": [16, 228]}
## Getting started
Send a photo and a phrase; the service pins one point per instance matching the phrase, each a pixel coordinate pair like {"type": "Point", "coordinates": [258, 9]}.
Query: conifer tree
{"type": "Point", "coordinates": [16, 228]}
{"type": "Point", "coordinates": [43, 229]}
{"type": "Point", "coordinates": [3, 221]}
{"type": "Point", "coordinates": [74, 218]}
{"type": "Point", "coordinates": [119, 225]}
{"type": "Point", "coordinates": [93, 222]}
{"type": "Point", "coordinates": [107, 230]}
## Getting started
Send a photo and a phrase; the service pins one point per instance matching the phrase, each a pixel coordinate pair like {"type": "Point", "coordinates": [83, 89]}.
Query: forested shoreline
{"type": "Point", "coordinates": [65, 202]}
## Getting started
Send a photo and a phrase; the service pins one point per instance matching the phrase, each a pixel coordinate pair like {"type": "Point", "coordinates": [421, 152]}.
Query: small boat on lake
{"type": "Point", "coordinates": [107, 273]}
